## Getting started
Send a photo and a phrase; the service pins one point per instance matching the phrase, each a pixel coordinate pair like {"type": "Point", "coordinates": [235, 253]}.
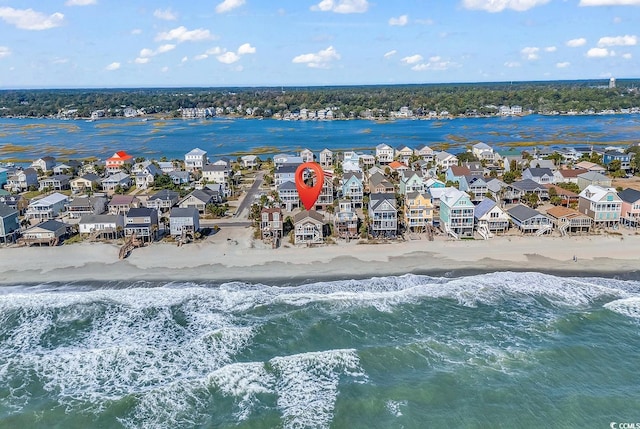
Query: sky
{"type": "Point", "coordinates": [213, 43]}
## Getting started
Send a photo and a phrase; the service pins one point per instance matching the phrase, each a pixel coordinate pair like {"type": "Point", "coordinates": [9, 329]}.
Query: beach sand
{"type": "Point", "coordinates": [232, 255]}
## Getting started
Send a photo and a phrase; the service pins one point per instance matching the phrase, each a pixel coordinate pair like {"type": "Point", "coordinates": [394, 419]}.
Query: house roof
{"type": "Point", "coordinates": [121, 155]}
{"type": "Point", "coordinates": [299, 217]}
{"type": "Point", "coordinates": [540, 171]}
{"type": "Point", "coordinates": [559, 212]}
{"type": "Point", "coordinates": [561, 191]}
{"type": "Point", "coordinates": [522, 212]}
{"type": "Point", "coordinates": [215, 167]}
{"type": "Point", "coordinates": [140, 211]}
{"type": "Point", "coordinates": [6, 211]}
{"type": "Point", "coordinates": [90, 177]}
{"type": "Point", "coordinates": [629, 195]}
{"type": "Point", "coordinates": [59, 177]}
{"type": "Point", "coordinates": [50, 225]}
{"type": "Point", "coordinates": [458, 170]}
{"type": "Point", "coordinates": [593, 176]}
{"type": "Point", "coordinates": [596, 193]}
{"type": "Point", "coordinates": [527, 185]}
{"type": "Point", "coordinates": [103, 218]}
{"type": "Point", "coordinates": [119, 200]}
{"type": "Point", "coordinates": [54, 198]}
{"type": "Point", "coordinates": [450, 196]}
{"type": "Point", "coordinates": [483, 207]}
{"type": "Point", "coordinates": [590, 166]}
{"type": "Point", "coordinates": [287, 169]}
{"type": "Point", "coordinates": [441, 156]}
{"type": "Point", "coordinates": [397, 165]}
{"type": "Point", "coordinates": [375, 200]}
{"type": "Point", "coordinates": [118, 177]}
{"type": "Point", "coordinates": [165, 194]}
{"type": "Point", "coordinates": [190, 212]}
{"type": "Point", "coordinates": [287, 186]}
{"type": "Point", "coordinates": [482, 146]}
{"type": "Point", "coordinates": [196, 152]}
{"type": "Point", "coordinates": [570, 173]}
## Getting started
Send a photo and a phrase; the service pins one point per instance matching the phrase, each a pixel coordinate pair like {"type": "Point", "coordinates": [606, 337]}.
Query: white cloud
{"type": "Point", "coordinates": [80, 2]}
{"type": "Point", "coordinates": [618, 41]}
{"type": "Point", "coordinates": [512, 64]}
{"type": "Point", "coordinates": [321, 59]}
{"type": "Point", "coordinates": [136, 31]}
{"type": "Point", "coordinates": [228, 57]}
{"type": "Point", "coordinates": [184, 59]}
{"type": "Point", "coordinates": [198, 57]}
{"type": "Point", "coordinates": [228, 5]}
{"type": "Point", "coordinates": [599, 53]}
{"type": "Point", "coordinates": [164, 69]}
{"type": "Point", "coordinates": [246, 48]}
{"type": "Point", "coordinates": [574, 43]}
{"type": "Point", "coordinates": [29, 19]}
{"type": "Point", "coordinates": [165, 48]}
{"type": "Point", "coordinates": [609, 3]}
{"type": "Point", "coordinates": [214, 51]}
{"type": "Point", "coordinates": [181, 34]}
{"type": "Point", "coordinates": [390, 53]}
{"type": "Point", "coordinates": [113, 66]}
{"type": "Point", "coordinates": [563, 65]}
{"type": "Point", "coordinates": [4, 51]}
{"type": "Point", "coordinates": [146, 53]}
{"type": "Point", "coordinates": [413, 59]}
{"type": "Point", "coordinates": [530, 53]}
{"type": "Point", "coordinates": [424, 21]}
{"type": "Point", "coordinates": [342, 6]}
{"type": "Point", "coordinates": [141, 60]}
{"type": "Point", "coordinates": [550, 49]}
{"type": "Point", "coordinates": [627, 56]}
{"type": "Point", "coordinates": [60, 61]}
{"type": "Point", "coordinates": [165, 14]}
{"type": "Point", "coordinates": [500, 5]}
{"type": "Point", "coordinates": [435, 63]}
{"type": "Point", "coordinates": [400, 21]}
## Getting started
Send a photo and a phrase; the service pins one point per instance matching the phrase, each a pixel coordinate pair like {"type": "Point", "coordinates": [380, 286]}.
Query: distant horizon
{"type": "Point", "coordinates": [249, 43]}
{"type": "Point", "coordinates": [313, 86]}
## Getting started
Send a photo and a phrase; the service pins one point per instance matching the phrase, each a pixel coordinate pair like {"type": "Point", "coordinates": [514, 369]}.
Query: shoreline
{"type": "Point", "coordinates": [237, 257]}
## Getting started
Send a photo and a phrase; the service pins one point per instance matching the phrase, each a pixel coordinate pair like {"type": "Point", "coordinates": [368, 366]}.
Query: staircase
{"type": "Point", "coordinates": [450, 232]}
{"type": "Point", "coordinates": [543, 229]}
{"type": "Point", "coordinates": [563, 227]}
{"type": "Point", "coordinates": [131, 243]}
{"type": "Point", "coordinates": [484, 232]}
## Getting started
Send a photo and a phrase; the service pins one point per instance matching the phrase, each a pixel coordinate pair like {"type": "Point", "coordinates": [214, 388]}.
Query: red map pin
{"type": "Point", "coordinates": [309, 194]}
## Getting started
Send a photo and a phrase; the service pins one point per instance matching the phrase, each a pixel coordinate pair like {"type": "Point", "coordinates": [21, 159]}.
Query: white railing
{"type": "Point", "coordinates": [543, 229]}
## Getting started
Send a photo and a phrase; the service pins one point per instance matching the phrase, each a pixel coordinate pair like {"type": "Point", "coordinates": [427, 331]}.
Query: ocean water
{"type": "Point", "coordinates": [504, 349]}
{"type": "Point", "coordinates": [30, 139]}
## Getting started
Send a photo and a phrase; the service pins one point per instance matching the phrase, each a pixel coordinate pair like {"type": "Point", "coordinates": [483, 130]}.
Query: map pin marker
{"type": "Point", "coordinates": [309, 194]}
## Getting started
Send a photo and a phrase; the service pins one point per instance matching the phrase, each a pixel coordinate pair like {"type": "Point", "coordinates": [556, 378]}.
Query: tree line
{"type": "Point", "coordinates": [347, 101]}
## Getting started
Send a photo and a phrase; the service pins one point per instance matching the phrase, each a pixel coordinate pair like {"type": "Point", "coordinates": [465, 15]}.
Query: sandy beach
{"type": "Point", "coordinates": [233, 255]}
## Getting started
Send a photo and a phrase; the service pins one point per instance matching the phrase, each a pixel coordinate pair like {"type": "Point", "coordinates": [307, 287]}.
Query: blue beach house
{"type": "Point", "coordinates": [3, 177]}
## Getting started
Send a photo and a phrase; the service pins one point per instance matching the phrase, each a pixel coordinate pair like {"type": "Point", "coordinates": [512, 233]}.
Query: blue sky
{"type": "Point", "coordinates": [109, 43]}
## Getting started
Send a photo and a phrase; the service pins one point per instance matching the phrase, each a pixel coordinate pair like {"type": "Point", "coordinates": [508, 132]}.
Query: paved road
{"type": "Point", "coordinates": [250, 196]}
{"type": "Point", "coordinates": [209, 223]}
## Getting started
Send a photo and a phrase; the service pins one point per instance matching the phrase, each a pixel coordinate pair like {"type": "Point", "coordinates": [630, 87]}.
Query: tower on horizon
{"type": "Point", "coordinates": [612, 82]}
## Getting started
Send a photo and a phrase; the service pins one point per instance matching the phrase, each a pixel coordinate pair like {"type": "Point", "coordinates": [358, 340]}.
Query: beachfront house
{"type": "Point", "coordinates": [69, 168]}
{"type": "Point", "coordinates": [200, 198]}
{"type": "Point", "coordinates": [143, 222]}
{"type": "Point", "coordinates": [82, 206]}
{"type": "Point", "coordinates": [541, 176]}
{"type": "Point", "coordinates": [593, 178]}
{"type": "Point", "coordinates": [144, 174]}
{"type": "Point", "coordinates": [601, 204]}
{"type": "Point", "coordinates": [630, 210]}
{"type": "Point", "coordinates": [490, 218]}
{"type": "Point", "coordinates": [179, 177]}
{"type": "Point", "coordinates": [101, 226]}
{"type": "Point", "coordinates": [17, 202]}
{"type": "Point", "coordinates": [567, 197]}
{"type": "Point", "coordinates": [9, 223]}
{"type": "Point", "coordinates": [286, 173]}
{"type": "Point", "coordinates": [163, 200]}
{"type": "Point", "coordinates": [120, 160]}
{"type": "Point", "coordinates": [567, 175]}
{"type": "Point", "coordinates": [87, 183]}
{"type": "Point", "coordinates": [22, 180]}
{"type": "Point", "coordinates": [216, 173]}
{"type": "Point", "coordinates": [567, 220]}
{"type": "Point", "coordinates": [325, 199]}
{"type": "Point", "coordinates": [283, 158]}
{"type": "Point", "coordinates": [477, 188]}
{"type": "Point", "coordinates": [418, 211]}
{"type": "Point", "coordinates": [345, 221]}
{"type": "Point", "coordinates": [456, 213]}
{"type": "Point", "coordinates": [353, 188]}
{"type": "Point", "coordinates": [271, 223]}
{"type": "Point", "coordinates": [184, 222]}
{"type": "Point", "coordinates": [528, 220]}
{"type": "Point", "coordinates": [591, 166]}
{"type": "Point", "coordinates": [47, 207]}
{"type": "Point", "coordinates": [49, 232]}
{"type": "Point", "coordinates": [195, 159]}
{"type": "Point", "coordinates": [398, 167]}
{"type": "Point", "coordinates": [117, 180]}
{"type": "Point", "coordinates": [44, 164]}
{"type": "Point", "coordinates": [308, 227]}
{"type": "Point", "coordinates": [384, 153]}
{"type": "Point", "coordinates": [121, 204]}
{"type": "Point", "coordinates": [58, 182]}
{"type": "Point", "coordinates": [326, 158]}
{"type": "Point", "coordinates": [383, 215]}
{"type": "Point", "coordinates": [378, 184]}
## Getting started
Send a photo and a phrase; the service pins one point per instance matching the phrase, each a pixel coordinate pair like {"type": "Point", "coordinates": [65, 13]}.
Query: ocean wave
{"type": "Point", "coordinates": [629, 307]}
